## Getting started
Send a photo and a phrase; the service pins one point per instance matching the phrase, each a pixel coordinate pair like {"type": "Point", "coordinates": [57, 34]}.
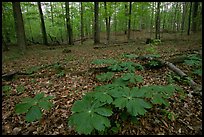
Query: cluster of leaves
{"type": "Point", "coordinates": [153, 64]}
{"type": "Point", "coordinates": [20, 89]}
{"type": "Point", "coordinates": [6, 89]}
{"type": "Point", "coordinates": [32, 106]}
{"type": "Point", "coordinates": [119, 66]}
{"type": "Point", "coordinates": [94, 110]}
{"type": "Point", "coordinates": [105, 77]}
{"type": "Point", "coordinates": [196, 62]}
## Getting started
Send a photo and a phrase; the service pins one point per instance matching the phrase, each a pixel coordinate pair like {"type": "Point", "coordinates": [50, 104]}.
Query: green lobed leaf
{"type": "Point", "coordinates": [33, 114]}
{"type": "Point", "coordinates": [103, 97]}
{"type": "Point", "coordinates": [22, 107]}
{"type": "Point", "coordinates": [45, 105]}
{"type": "Point", "coordinates": [103, 111]}
{"type": "Point", "coordinates": [39, 96]}
{"type": "Point", "coordinates": [105, 77]}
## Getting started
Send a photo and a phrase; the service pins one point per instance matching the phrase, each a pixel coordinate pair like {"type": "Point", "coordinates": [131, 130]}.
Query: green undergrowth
{"type": "Point", "coordinates": [33, 107]}
{"type": "Point", "coordinates": [95, 112]}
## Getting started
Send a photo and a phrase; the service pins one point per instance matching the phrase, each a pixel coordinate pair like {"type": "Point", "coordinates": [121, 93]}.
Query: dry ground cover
{"type": "Point", "coordinates": [77, 79]}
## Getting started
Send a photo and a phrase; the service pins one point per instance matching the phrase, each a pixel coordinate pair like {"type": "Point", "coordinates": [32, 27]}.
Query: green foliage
{"type": "Point", "coordinates": [105, 77]}
{"type": "Point", "coordinates": [132, 78]}
{"type": "Point", "coordinates": [20, 89]}
{"type": "Point", "coordinates": [122, 66]}
{"type": "Point", "coordinates": [153, 64]}
{"type": "Point", "coordinates": [198, 72]}
{"type": "Point", "coordinates": [89, 115]}
{"type": "Point", "coordinates": [193, 60]}
{"type": "Point", "coordinates": [104, 61]}
{"type": "Point", "coordinates": [32, 106]}
{"type": "Point", "coordinates": [129, 103]}
{"type": "Point", "coordinates": [61, 73]}
{"type": "Point", "coordinates": [158, 94]}
{"type": "Point", "coordinates": [6, 89]}
{"type": "Point", "coordinates": [130, 99]}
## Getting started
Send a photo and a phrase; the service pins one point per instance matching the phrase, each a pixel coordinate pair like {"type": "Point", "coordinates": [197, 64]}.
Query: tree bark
{"type": "Point", "coordinates": [19, 25]}
{"type": "Point", "coordinates": [189, 19]}
{"type": "Point", "coordinates": [126, 14]}
{"type": "Point", "coordinates": [96, 23]}
{"type": "Point", "coordinates": [69, 28]}
{"type": "Point", "coordinates": [107, 18]}
{"type": "Point", "coordinates": [194, 16]}
{"type": "Point", "coordinates": [183, 16]}
{"type": "Point", "coordinates": [157, 23]}
{"type": "Point", "coordinates": [82, 23]}
{"type": "Point", "coordinates": [52, 13]}
{"type": "Point", "coordinates": [129, 20]}
{"type": "Point", "coordinates": [42, 25]}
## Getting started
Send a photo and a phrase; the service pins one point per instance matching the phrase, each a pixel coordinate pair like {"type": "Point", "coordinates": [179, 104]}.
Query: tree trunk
{"type": "Point", "coordinates": [82, 23]}
{"type": "Point", "coordinates": [4, 45]}
{"type": "Point", "coordinates": [157, 23]}
{"type": "Point", "coordinates": [52, 13]}
{"type": "Point", "coordinates": [183, 16]}
{"type": "Point", "coordinates": [126, 14]}
{"type": "Point", "coordinates": [107, 18]}
{"type": "Point", "coordinates": [194, 16]}
{"type": "Point", "coordinates": [42, 25]}
{"type": "Point", "coordinates": [115, 20]}
{"type": "Point", "coordinates": [189, 19]}
{"type": "Point", "coordinates": [69, 28]}
{"type": "Point", "coordinates": [96, 23]}
{"type": "Point", "coordinates": [129, 20]}
{"type": "Point", "coordinates": [20, 32]}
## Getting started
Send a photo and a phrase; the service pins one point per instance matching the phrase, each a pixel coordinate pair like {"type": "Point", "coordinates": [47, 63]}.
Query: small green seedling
{"type": "Point", "coordinates": [33, 106]}
{"type": "Point", "coordinates": [6, 89]}
{"type": "Point", "coordinates": [20, 89]}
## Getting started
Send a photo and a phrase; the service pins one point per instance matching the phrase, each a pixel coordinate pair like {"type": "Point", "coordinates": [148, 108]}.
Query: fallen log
{"type": "Point", "coordinates": [197, 89]}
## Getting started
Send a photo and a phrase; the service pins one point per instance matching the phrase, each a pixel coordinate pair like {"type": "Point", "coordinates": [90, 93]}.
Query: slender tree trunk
{"type": "Point", "coordinates": [31, 33]}
{"type": "Point", "coordinates": [194, 16]}
{"type": "Point", "coordinates": [4, 45]}
{"type": "Point", "coordinates": [183, 16]}
{"type": "Point", "coordinates": [19, 25]}
{"type": "Point", "coordinates": [82, 23]}
{"type": "Point", "coordinates": [157, 23]}
{"type": "Point", "coordinates": [42, 25]}
{"type": "Point", "coordinates": [52, 13]}
{"type": "Point", "coordinates": [69, 28]}
{"type": "Point", "coordinates": [126, 14]}
{"type": "Point", "coordinates": [152, 17]}
{"type": "Point", "coordinates": [96, 23]}
{"type": "Point", "coordinates": [115, 20]}
{"type": "Point", "coordinates": [107, 18]}
{"type": "Point", "coordinates": [129, 20]}
{"type": "Point", "coordinates": [189, 19]}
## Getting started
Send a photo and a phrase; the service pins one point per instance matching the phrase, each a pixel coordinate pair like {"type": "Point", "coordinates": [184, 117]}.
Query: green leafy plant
{"type": "Point", "coordinates": [32, 106]}
{"type": "Point", "coordinates": [104, 61]}
{"type": "Point", "coordinates": [198, 72]}
{"type": "Point", "coordinates": [153, 64]}
{"type": "Point", "coordinates": [158, 94]}
{"type": "Point", "coordinates": [6, 89]}
{"type": "Point", "coordinates": [61, 73]}
{"type": "Point", "coordinates": [193, 60]}
{"type": "Point", "coordinates": [132, 78]}
{"type": "Point", "coordinates": [105, 77]}
{"type": "Point", "coordinates": [20, 89]}
{"type": "Point", "coordinates": [130, 99]}
{"type": "Point", "coordinates": [89, 115]}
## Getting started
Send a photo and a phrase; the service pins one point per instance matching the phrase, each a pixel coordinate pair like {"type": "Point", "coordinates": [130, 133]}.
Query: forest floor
{"type": "Point", "coordinates": [78, 80]}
